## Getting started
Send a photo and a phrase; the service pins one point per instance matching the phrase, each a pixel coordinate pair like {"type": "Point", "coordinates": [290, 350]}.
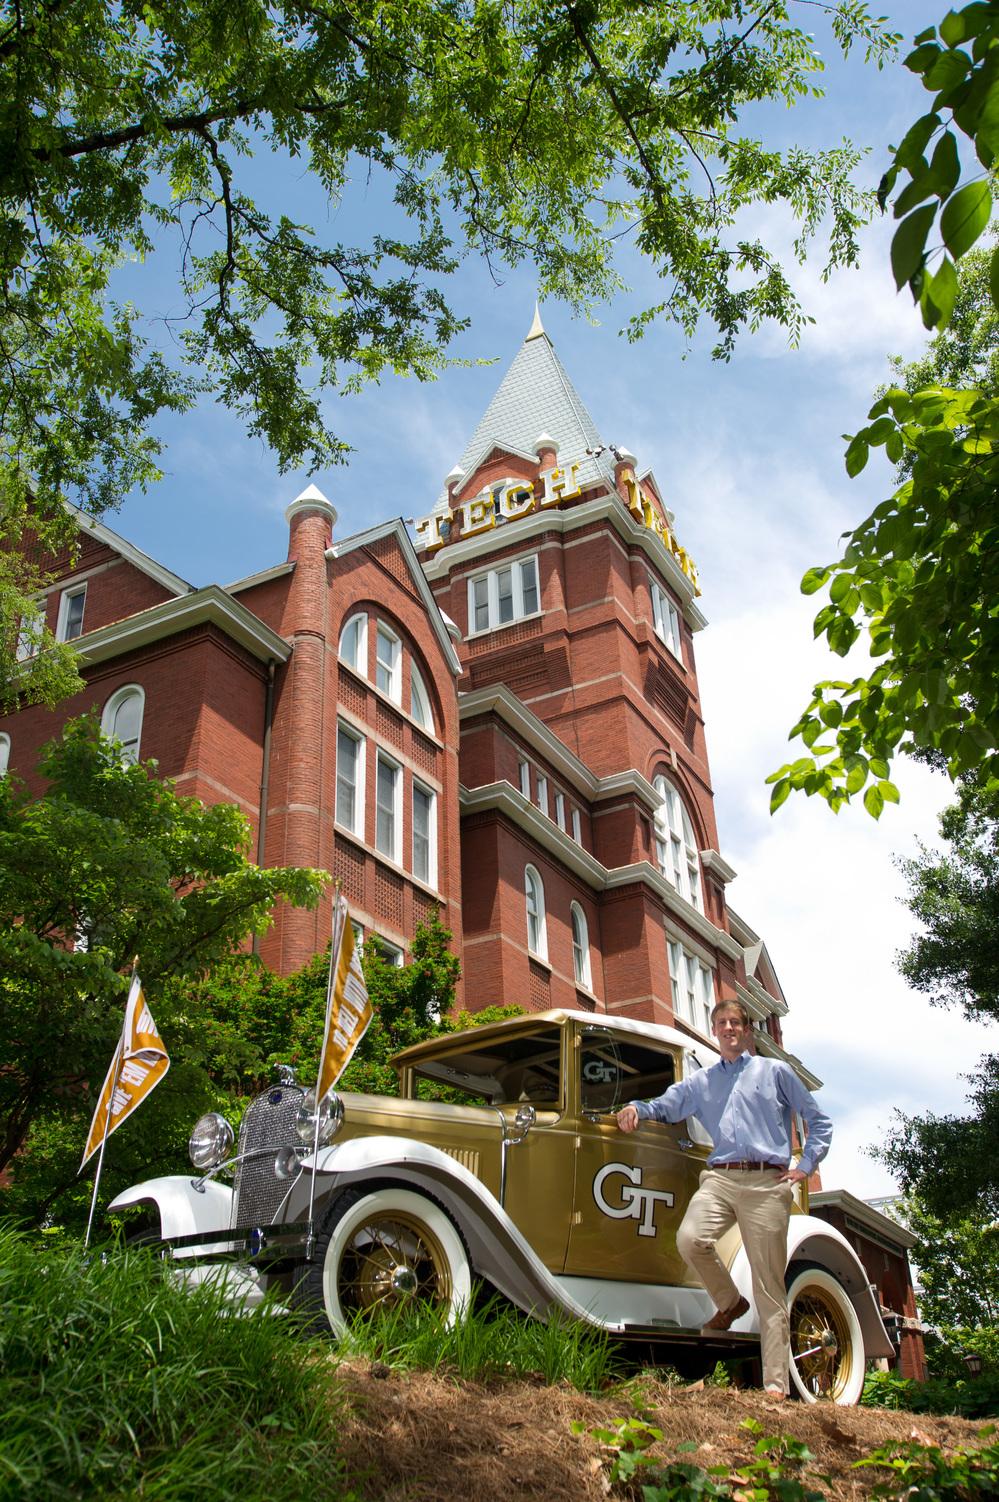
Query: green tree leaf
{"type": "Point", "coordinates": [965, 216]}
{"type": "Point", "coordinates": [909, 242]}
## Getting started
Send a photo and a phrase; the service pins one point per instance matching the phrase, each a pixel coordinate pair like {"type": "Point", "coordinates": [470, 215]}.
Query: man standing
{"type": "Point", "coordinates": [745, 1103]}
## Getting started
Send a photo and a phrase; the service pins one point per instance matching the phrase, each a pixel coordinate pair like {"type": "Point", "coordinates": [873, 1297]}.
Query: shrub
{"type": "Point", "coordinates": [972, 1398]}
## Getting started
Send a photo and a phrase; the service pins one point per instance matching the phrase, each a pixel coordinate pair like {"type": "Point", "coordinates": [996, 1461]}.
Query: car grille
{"type": "Point", "coordinates": [269, 1123]}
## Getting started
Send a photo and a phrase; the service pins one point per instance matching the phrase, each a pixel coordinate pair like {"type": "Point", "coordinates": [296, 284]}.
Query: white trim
{"type": "Point", "coordinates": [509, 801]}
{"type": "Point", "coordinates": [173, 582]}
{"type": "Point", "coordinates": [211, 606]}
{"type": "Point", "coordinates": [397, 528]}
{"type": "Point", "coordinates": [532, 879]}
{"type": "Point", "coordinates": [718, 866]}
{"type": "Point", "coordinates": [360, 664]}
{"type": "Point", "coordinates": [346, 729]}
{"type": "Point", "coordinates": [581, 968]}
{"type": "Point", "coordinates": [4, 753]}
{"type": "Point", "coordinates": [391, 669]}
{"type": "Point", "coordinates": [418, 689]}
{"type": "Point", "coordinates": [608, 506]}
{"type": "Point", "coordinates": [263, 577]}
{"type": "Point", "coordinates": [110, 712]}
{"type": "Point", "coordinates": [382, 758]}
{"type": "Point", "coordinates": [514, 566]}
{"type": "Point", "coordinates": [70, 592]}
{"type": "Point", "coordinates": [430, 879]}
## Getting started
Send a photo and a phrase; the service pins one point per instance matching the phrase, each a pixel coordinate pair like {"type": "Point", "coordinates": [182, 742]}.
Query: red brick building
{"type": "Point", "coordinates": [502, 721]}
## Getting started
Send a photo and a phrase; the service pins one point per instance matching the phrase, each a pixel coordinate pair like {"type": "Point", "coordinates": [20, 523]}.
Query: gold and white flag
{"type": "Point", "coordinates": [348, 1007]}
{"type": "Point", "coordinates": [140, 1062]}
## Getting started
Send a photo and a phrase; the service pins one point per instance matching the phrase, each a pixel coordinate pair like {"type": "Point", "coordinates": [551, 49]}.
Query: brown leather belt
{"type": "Point", "coordinates": [745, 1163]}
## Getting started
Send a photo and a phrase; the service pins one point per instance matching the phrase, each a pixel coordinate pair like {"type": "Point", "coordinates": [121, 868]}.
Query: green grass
{"type": "Point", "coordinates": [489, 1340]}
{"type": "Point", "coordinates": [116, 1384]}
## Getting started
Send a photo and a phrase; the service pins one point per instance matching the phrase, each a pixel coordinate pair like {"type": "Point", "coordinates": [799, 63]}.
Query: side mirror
{"type": "Point", "coordinates": [518, 1129]}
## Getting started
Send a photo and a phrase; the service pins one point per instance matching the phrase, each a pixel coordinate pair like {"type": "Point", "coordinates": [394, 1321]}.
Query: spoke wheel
{"type": "Point", "coordinates": [385, 1248]}
{"type": "Point", "coordinates": [827, 1345]}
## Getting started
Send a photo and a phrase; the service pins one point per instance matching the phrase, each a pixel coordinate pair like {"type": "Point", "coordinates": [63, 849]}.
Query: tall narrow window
{"type": "Point", "coordinates": [560, 810]}
{"type": "Point", "coordinates": [29, 636]}
{"type": "Point", "coordinates": [419, 698]}
{"type": "Point", "coordinates": [424, 834]}
{"type": "Point", "coordinates": [388, 663]}
{"type": "Point", "coordinates": [524, 773]}
{"type": "Point", "coordinates": [503, 595]}
{"type": "Point", "coordinates": [121, 719]}
{"type": "Point", "coordinates": [349, 780]}
{"type": "Point", "coordinates": [666, 619]}
{"type": "Point", "coordinates": [354, 644]}
{"type": "Point", "coordinates": [388, 782]}
{"type": "Point", "coordinates": [580, 946]}
{"type": "Point", "coordinates": [577, 832]}
{"type": "Point", "coordinates": [537, 933]}
{"type": "Point", "coordinates": [693, 987]}
{"type": "Point", "coordinates": [70, 623]}
{"type": "Point", "coordinates": [543, 794]}
{"type": "Point", "coordinates": [4, 753]}
{"type": "Point", "coordinates": [676, 847]}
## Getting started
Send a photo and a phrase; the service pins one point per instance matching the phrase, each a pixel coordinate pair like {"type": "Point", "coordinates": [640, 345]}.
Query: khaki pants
{"type": "Point", "coordinates": [760, 1206]}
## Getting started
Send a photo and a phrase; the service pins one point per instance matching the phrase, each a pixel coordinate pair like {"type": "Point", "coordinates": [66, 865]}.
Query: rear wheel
{"type": "Point", "coordinates": [827, 1345]}
{"type": "Point", "coordinates": [385, 1247]}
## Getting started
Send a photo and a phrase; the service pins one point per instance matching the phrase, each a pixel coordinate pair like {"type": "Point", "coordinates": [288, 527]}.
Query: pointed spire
{"type": "Point", "coordinates": [537, 329]}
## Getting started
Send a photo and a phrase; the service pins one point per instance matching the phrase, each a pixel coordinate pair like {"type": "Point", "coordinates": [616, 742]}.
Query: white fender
{"type": "Point", "coordinates": [812, 1240]}
{"type": "Point", "coordinates": [183, 1209]}
{"type": "Point", "coordinates": [497, 1249]}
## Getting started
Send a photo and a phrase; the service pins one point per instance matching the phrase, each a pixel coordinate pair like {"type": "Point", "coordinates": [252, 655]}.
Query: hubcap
{"type": "Point", "coordinates": [390, 1258]}
{"type": "Point", "coordinates": [820, 1345]}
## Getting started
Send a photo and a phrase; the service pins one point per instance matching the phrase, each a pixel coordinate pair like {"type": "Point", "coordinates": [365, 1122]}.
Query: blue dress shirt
{"type": "Point", "coordinates": [746, 1108]}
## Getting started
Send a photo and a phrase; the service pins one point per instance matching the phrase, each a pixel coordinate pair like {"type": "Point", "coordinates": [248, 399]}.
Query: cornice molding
{"type": "Point", "coordinates": [718, 866]}
{"type": "Point", "coordinates": [606, 507]}
{"type": "Point", "coordinates": [211, 605]}
{"type": "Point", "coordinates": [766, 1045]}
{"type": "Point", "coordinates": [142, 561]}
{"type": "Point", "coordinates": [883, 1225]}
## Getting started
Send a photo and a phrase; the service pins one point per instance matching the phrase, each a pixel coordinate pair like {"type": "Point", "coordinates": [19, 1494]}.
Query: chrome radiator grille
{"type": "Point", "coordinates": [269, 1123]}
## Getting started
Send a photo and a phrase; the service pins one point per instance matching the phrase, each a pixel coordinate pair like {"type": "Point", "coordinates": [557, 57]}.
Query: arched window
{"type": "Point", "coordinates": [580, 946]}
{"type": "Point", "coordinates": [537, 931]}
{"type": "Point", "coordinates": [4, 753]}
{"type": "Point", "coordinates": [419, 699]}
{"type": "Point", "coordinates": [354, 643]}
{"type": "Point", "coordinates": [676, 848]}
{"type": "Point", "coordinates": [122, 719]}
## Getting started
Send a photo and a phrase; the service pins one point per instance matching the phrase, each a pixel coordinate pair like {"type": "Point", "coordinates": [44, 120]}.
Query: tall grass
{"type": "Point", "coordinates": [114, 1383]}
{"type": "Point", "coordinates": [488, 1340]}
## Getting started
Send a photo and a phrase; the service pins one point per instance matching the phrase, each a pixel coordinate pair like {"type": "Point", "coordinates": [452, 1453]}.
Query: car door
{"type": "Point", "coordinates": [630, 1189]}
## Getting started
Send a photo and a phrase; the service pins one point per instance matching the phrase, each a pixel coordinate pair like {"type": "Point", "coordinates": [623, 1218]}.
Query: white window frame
{"type": "Point", "coordinates": [560, 810]}
{"type": "Point", "coordinates": [692, 985]}
{"type": "Point", "coordinates": [390, 671]}
{"type": "Point", "coordinates": [489, 599]}
{"type": "Point", "coordinates": [537, 924]}
{"type": "Point", "coordinates": [580, 947]}
{"type": "Point", "coordinates": [356, 825]}
{"type": "Point", "coordinates": [430, 875]}
{"type": "Point", "coordinates": [31, 624]}
{"type": "Point", "coordinates": [577, 829]}
{"type": "Point", "coordinates": [419, 699]}
{"type": "Point", "coordinates": [358, 659]}
{"type": "Point", "coordinates": [109, 714]}
{"type": "Point", "coordinates": [4, 752]}
{"type": "Point", "coordinates": [76, 592]}
{"type": "Point", "coordinates": [524, 773]}
{"type": "Point", "coordinates": [676, 846]}
{"type": "Point", "coordinates": [386, 950]}
{"type": "Point", "coordinates": [381, 760]}
{"type": "Point", "coordinates": [541, 786]}
{"type": "Point", "coordinates": [666, 619]}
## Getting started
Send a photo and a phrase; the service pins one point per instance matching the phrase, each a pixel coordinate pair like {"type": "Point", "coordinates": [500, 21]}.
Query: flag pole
{"type": "Point", "coordinates": [107, 1112]}
{"type": "Point", "coordinates": [330, 988]}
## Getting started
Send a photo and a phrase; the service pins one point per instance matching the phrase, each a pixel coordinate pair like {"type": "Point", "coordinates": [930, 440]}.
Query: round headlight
{"type": "Point", "coordinates": [210, 1142]}
{"type": "Point", "coordinates": [330, 1117]}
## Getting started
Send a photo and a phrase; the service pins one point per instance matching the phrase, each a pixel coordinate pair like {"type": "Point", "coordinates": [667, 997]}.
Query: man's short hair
{"type": "Point", "coordinates": [731, 1006]}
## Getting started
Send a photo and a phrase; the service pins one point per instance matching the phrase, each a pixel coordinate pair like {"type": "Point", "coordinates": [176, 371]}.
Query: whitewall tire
{"type": "Point", "coordinates": [827, 1344]}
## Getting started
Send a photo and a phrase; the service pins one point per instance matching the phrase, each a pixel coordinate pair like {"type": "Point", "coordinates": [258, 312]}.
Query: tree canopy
{"type": "Point", "coordinates": [108, 864]}
{"type": "Point", "coordinates": [920, 575]}
{"type": "Point", "coordinates": [949, 1162]}
{"type": "Point", "coordinates": [542, 131]}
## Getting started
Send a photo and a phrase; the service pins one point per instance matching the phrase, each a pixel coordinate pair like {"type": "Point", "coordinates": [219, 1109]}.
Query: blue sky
{"type": "Point", "coordinates": [750, 457]}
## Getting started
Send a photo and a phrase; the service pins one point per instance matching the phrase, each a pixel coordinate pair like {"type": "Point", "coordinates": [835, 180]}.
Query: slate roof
{"type": "Point", "coordinates": [536, 396]}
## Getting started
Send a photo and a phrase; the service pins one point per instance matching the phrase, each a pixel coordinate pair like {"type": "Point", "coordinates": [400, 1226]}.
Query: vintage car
{"type": "Point", "coordinates": [501, 1161]}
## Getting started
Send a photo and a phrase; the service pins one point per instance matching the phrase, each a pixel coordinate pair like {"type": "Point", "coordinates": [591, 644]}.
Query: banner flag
{"type": "Point", "coordinates": [348, 1007]}
{"type": "Point", "coordinates": [140, 1061]}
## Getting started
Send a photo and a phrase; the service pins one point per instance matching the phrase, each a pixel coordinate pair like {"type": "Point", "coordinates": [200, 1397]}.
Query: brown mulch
{"type": "Point", "coordinates": [413, 1437]}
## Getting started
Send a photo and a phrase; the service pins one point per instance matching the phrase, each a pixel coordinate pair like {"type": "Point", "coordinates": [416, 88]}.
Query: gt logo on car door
{"type": "Point", "coordinates": [634, 1202]}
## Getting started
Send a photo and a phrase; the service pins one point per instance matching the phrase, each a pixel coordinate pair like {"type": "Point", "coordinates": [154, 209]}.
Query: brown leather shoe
{"type": "Point", "coordinates": [724, 1318]}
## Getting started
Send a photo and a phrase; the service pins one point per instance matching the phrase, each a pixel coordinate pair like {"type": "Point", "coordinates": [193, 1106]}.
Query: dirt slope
{"type": "Point", "coordinates": [419, 1438]}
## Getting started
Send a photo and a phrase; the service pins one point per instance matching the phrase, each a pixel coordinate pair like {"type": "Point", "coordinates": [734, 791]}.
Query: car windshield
{"type": "Point", "coordinates": [616, 1068]}
{"type": "Point", "coordinates": [501, 1072]}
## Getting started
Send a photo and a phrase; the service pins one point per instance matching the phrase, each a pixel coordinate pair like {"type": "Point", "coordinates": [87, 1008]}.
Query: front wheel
{"type": "Point", "coordinates": [385, 1247]}
{"type": "Point", "coordinates": [827, 1345]}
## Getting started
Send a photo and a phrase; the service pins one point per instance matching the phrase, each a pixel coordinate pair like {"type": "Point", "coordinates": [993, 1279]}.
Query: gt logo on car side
{"type": "Point", "coordinates": [634, 1202]}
